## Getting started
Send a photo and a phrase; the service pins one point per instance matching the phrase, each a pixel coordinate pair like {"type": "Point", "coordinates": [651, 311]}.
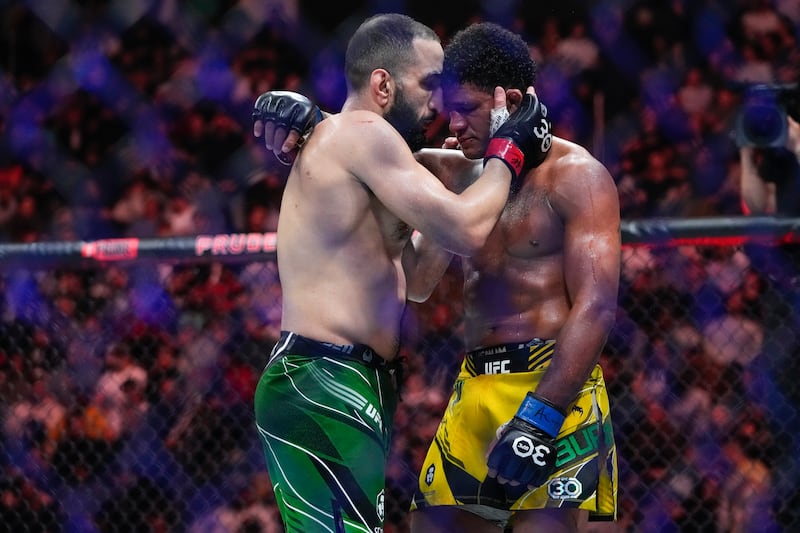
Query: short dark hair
{"type": "Point", "coordinates": [383, 41]}
{"type": "Point", "coordinates": [486, 55]}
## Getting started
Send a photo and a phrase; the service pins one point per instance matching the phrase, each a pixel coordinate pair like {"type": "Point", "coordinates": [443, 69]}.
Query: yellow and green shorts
{"type": "Point", "coordinates": [487, 393]}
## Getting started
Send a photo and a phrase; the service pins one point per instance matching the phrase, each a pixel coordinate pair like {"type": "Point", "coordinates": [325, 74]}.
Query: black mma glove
{"type": "Point", "coordinates": [525, 451]}
{"type": "Point", "coordinates": [288, 110]}
{"type": "Point", "coordinates": [523, 140]}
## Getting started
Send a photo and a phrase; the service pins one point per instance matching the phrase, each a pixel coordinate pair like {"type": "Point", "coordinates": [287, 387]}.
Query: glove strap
{"type": "Point", "coordinates": [541, 413]}
{"type": "Point", "coordinates": [508, 152]}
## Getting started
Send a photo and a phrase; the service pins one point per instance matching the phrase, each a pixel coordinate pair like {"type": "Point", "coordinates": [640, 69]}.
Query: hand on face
{"type": "Point", "coordinates": [499, 113]}
{"type": "Point", "coordinates": [523, 141]}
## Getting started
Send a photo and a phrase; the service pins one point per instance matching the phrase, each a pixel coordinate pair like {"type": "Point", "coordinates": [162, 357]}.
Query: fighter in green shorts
{"type": "Point", "coordinates": [319, 408]}
{"type": "Point", "coordinates": [492, 383]}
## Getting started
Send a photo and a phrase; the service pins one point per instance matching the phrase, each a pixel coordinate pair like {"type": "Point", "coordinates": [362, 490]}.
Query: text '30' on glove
{"type": "Point", "coordinates": [523, 140]}
{"type": "Point", "coordinates": [525, 452]}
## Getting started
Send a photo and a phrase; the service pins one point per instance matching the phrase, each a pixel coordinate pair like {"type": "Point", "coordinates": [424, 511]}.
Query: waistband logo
{"type": "Point", "coordinates": [491, 351]}
{"type": "Point", "coordinates": [343, 348]}
{"type": "Point", "coordinates": [497, 367]}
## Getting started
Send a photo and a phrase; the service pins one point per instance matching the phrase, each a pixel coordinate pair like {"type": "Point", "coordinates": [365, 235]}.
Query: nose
{"type": "Point", "coordinates": [457, 122]}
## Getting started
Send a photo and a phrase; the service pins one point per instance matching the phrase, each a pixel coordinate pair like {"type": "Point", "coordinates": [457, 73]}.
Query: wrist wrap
{"type": "Point", "coordinates": [541, 413]}
{"type": "Point", "coordinates": [508, 152]}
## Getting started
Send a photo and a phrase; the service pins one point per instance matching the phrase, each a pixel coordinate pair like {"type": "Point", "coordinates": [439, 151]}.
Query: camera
{"type": "Point", "coordinates": [761, 121]}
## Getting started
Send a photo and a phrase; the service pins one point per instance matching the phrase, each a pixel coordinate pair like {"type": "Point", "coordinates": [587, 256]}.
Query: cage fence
{"type": "Point", "coordinates": [128, 367]}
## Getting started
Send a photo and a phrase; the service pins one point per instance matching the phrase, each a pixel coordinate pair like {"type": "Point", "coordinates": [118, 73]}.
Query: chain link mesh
{"type": "Point", "coordinates": [126, 394]}
{"type": "Point", "coordinates": [126, 390]}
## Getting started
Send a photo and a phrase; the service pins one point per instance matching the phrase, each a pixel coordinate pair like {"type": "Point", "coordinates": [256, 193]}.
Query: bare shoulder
{"type": "Point", "coordinates": [574, 166]}
{"type": "Point", "coordinates": [362, 140]}
{"type": "Point", "coordinates": [358, 142]}
{"type": "Point", "coordinates": [574, 159]}
{"type": "Point", "coordinates": [351, 125]}
{"type": "Point", "coordinates": [578, 180]}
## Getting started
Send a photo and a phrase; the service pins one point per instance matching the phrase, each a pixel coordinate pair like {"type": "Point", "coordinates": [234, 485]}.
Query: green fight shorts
{"type": "Point", "coordinates": [324, 414]}
{"type": "Point", "coordinates": [488, 391]}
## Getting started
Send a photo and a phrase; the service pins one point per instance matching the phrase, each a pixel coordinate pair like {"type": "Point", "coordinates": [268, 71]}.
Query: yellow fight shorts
{"type": "Point", "coordinates": [490, 387]}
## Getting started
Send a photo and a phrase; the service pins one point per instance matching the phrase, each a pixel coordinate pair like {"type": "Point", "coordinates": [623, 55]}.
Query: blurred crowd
{"type": "Point", "coordinates": [126, 391]}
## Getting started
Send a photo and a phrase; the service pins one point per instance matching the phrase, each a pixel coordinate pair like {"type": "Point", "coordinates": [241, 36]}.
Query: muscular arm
{"type": "Point", "coordinates": [458, 222]}
{"type": "Point", "coordinates": [425, 262]}
{"type": "Point", "coordinates": [587, 200]}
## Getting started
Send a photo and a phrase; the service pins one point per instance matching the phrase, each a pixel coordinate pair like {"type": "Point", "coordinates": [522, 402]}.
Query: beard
{"type": "Point", "coordinates": [403, 118]}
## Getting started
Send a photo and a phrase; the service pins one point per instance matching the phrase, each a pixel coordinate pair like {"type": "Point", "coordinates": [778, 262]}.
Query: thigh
{"type": "Point", "coordinates": [325, 445]}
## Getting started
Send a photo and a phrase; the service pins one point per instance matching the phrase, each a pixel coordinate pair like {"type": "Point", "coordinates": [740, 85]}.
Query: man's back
{"type": "Point", "coordinates": [339, 248]}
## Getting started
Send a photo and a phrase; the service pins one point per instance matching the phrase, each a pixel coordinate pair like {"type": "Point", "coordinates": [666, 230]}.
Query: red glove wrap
{"type": "Point", "coordinates": [508, 152]}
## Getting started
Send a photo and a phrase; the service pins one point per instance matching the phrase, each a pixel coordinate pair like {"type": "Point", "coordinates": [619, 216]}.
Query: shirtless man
{"type": "Point", "coordinates": [526, 439]}
{"type": "Point", "coordinates": [325, 402]}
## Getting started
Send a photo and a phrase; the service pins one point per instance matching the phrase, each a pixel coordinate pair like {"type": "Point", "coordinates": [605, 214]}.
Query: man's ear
{"type": "Point", "coordinates": [513, 99]}
{"type": "Point", "coordinates": [381, 86]}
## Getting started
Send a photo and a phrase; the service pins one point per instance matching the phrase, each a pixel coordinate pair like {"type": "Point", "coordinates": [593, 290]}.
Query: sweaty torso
{"type": "Point", "coordinates": [514, 287]}
{"type": "Point", "coordinates": [339, 250]}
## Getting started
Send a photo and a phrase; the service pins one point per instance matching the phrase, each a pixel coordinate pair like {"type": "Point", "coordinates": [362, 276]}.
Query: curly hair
{"type": "Point", "coordinates": [486, 55]}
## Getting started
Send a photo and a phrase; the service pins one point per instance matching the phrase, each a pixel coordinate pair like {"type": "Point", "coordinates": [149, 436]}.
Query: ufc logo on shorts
{"type": "Point", "coordinates": [373, 413]}
{"type": "Point", "coordinates": [497, 367]}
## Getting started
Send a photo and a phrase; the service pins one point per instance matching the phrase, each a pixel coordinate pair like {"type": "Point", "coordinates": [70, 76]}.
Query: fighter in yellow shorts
{"type": "Point", "coordinates": [487, 392]}
{"type": "Point", "coordinates": [526, 438]}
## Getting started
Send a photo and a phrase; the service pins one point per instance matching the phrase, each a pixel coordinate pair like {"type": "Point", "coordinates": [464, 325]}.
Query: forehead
{"type": "Point", "coordinates": [430, 58]}
{"type": "Point", "coordinates": [464, 93]}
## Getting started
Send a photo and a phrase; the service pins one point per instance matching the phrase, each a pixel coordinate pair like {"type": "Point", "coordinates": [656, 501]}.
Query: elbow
{"type": "Point", "coordinates": [472, 241]}
{"type": "Point", "coordinates": [419, 297]}
{"type": "Point", "coordinates": [474, 244]}
{"type": "Point", "coordinates": [419, 292]}
{"type": "Point", "coordinates": [605, 315]}
{"type": "Point", "coordinates": [463, 236]}
{"type": "Point", "coordinates": [601, 313]}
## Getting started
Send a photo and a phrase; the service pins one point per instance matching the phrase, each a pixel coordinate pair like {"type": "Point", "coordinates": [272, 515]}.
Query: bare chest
{"type": "Point", "coordinates": [528, 229]}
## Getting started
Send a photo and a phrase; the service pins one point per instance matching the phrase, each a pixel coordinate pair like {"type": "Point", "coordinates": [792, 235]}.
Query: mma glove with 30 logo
{"type": "Point", "coordinates": [522, 139]}
{"type": "Point", "coordinates": [525, 451]}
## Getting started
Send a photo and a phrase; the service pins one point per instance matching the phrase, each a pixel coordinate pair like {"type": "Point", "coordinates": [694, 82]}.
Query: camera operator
{"type": "Point", "coordinates": [768, 136]}
{"type": "Point", "coordinates": [770, 185]}
{"type": "Point", "coordinates": [770, 175]}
